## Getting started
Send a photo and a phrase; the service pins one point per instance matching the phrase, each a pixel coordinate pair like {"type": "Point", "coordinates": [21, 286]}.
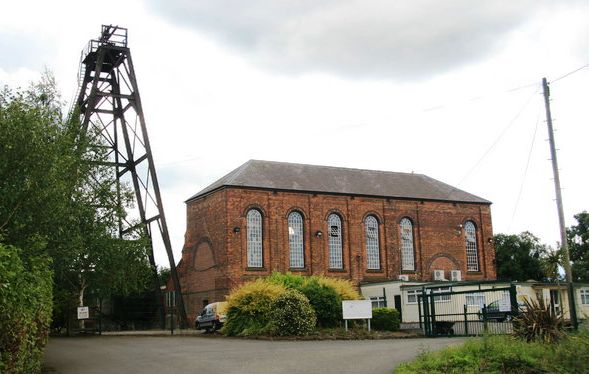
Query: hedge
{"type": "Point", "coordinates": [25, 310]}
{"type": "Point", "coordinates": [385, 319]}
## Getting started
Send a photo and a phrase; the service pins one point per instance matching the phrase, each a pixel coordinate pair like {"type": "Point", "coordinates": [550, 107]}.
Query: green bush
{"type": "Point", "coordinates": [385, 319]}
{"type": "Point", "coordinates": [325, 301]}
{"type": "Point", "coordinates": [25, 310]}
{"type": "Point", "coordinates": [537, 322]}
{"type": "Point", "coordinates": [288, 280]}
{"type": "Point", "coordinates": [249, 306]}
{"type": "Point", "coordinates": [292, 314]}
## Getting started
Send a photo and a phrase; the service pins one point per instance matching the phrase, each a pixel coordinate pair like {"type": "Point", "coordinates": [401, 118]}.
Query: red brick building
{"type": "Point", "coordinates": [362, 225]}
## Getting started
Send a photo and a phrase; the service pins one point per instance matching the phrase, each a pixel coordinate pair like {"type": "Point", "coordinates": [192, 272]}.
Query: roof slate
{"type": "Point", "coordinates": [327, 179]}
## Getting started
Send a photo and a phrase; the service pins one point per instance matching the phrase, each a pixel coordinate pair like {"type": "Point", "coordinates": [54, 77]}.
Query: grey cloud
{"type": "Point", "coordinates": [17, 51]}
{"type": "Point", "coordinates": [403, 40]}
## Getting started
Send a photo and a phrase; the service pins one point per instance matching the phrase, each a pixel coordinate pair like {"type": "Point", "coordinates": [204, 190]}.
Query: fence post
{"type": "Point", "coordinates": [485, 326]}
{"type": "Point", "coordinates": [465, 320]}
{"type": "Point", "coordinates": [433, 314]}
{"type": "Point", "coordinates": [513, 300]}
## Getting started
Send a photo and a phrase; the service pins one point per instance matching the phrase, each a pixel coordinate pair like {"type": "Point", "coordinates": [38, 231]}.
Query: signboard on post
{"type": "Point", "coordinates": [357, 309]}
{"type": "Point", "coordinates": [83, 312]}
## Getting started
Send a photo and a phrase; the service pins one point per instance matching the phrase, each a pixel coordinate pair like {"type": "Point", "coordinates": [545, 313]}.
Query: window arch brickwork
{"type": "Point", "coordinates": [295, 240]}
{"type": "Point", "coordinates": [372, 243]}
{"type": "Point", "coordinates": [254, 239]}
{"type": "Point", "coordinates": [407, 245]}
{"type": "Point", "coordinates": [472, 255]}
{"type": "Point", "coordinates": [334, 225]}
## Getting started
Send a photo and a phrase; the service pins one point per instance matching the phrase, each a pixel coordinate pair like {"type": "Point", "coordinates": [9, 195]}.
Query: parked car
{"type": "Point", "coordinates": [212, 317]}
{"type": "Point", "coordinates": [494, 314]}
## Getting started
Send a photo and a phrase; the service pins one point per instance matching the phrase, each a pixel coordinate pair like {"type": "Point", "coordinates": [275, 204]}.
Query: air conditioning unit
{"type": "Point", "coordinates": [456, 275]}
{"type": "Point", "coordinates": [439, 275]}
{"type": "Point", "coordinates": [404, 277]}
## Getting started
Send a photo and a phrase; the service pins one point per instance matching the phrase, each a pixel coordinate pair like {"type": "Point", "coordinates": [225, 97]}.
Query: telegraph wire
{"type": "Point", "coordinates": [498, 139]}
{"type": "Point", "coordinates": [521, 188]}
{"type": "Point", "coordinates": [569, 73]}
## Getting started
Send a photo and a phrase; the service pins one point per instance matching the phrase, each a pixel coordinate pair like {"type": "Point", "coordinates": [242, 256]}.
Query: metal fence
{"type": "Point", "coordinates": [467, 313]}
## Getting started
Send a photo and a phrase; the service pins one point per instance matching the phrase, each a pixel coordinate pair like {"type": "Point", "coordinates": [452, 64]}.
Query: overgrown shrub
{"type": "Point", "coordinates": [344, 288]}
{"type": "Point", "coordinates": [537, 322]}
{"type": "Point", "coordinates": [25, 310]}
{"type": "Point", "coordinates": [288, 280]}
{"type": "Point", "coordinates": [292, 314]}
{"type": "Point", "coordinates": [571, 355]}
{"type": "Point", "coordinates": [326, 302]}
{"type": "Point", "coordinates": [386, 319]}
{"type": "Point", "coordinates": [249, 306]}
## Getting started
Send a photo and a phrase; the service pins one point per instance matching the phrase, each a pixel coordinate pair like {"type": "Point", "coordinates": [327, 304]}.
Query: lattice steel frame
{"type": "Point", "coordinates": [110, 104]}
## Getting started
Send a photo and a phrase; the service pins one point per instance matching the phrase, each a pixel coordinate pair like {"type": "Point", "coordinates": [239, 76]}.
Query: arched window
{"type": "Point", "coordinates": [407, 247]}
{"type": "Point", "coordinates": [372, 246]}
{"type": "Point", "coordinates": [295, 240]}
{"type": "Point", "coordinates": [334, 224]}
{"type": "Point", "coordinates": [472, 254]}
{"type": "Point", "coordinates": [254, 239]}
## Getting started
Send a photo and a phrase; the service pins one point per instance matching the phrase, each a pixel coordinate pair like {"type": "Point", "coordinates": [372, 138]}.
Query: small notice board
{"type": "Point", "coordinates": [357, 309]}
{"type": "Point", "coordinates": [83, 312]}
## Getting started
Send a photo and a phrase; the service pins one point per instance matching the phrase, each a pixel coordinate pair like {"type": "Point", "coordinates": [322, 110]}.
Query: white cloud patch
{"type": "Point", "coordinates": [367, 39]}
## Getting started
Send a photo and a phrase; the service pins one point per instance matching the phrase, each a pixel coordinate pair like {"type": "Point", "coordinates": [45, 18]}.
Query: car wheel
{"type": "Point", "coordinates": [210, 329]}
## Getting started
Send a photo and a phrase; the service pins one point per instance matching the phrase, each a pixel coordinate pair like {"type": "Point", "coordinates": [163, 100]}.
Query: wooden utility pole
{"type": "Point", "coordinates": [563, 236]}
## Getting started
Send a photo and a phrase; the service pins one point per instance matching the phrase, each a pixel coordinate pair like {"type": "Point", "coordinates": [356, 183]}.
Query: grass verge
{"type": "Point", "coordinates": [506, 354]}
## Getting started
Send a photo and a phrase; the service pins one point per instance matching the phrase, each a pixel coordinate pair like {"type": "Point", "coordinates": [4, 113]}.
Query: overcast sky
{"type": "Point", "coordinates": [450, 89]}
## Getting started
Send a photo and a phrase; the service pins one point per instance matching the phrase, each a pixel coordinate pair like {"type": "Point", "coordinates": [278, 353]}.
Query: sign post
{"type": "Point", "coordinates": [357, 309]}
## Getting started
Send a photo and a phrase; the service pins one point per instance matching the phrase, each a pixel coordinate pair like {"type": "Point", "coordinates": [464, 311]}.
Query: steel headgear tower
{"type": "Point", "coordinates": [110, 105]}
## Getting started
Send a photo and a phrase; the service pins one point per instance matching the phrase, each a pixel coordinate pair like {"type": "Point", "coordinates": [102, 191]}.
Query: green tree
{"type": "Point", "coordinates": [57, 198]}
{"type": "Point", "coordinates": [578, 241]}
{"type": "Point", "coordinates": [518, 257]}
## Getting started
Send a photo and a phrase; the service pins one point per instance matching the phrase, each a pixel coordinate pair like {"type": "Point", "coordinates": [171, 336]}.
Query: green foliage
{"type": "Point", "coordinates": [25, 310]}
{"type": "Point", "coordinates": [505, 354]}
{"type": "Point", "coordinates": [578, 241]}
{"type": "Point", "coordinates": [536, 322]}
{"type": "Point", "coordinates": [58, 199]}
{"type": "Point", "coordinates": [326, 302]}
{"type": "Point", "coordinates": [518, 257]}
{"type": "Point", "coordinates": [343, 287]}
{"type": "Point", "coordinates": [386, 319]}
{"type": "Point", "coordinates": [288, 280]}
{"type": "Point", "coordinates": [249, 307]}
{"type": "Point", "coordinates": [291, 314]}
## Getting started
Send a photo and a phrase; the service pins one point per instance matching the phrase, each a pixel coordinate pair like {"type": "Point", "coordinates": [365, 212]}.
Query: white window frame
{"type": "Point", "coordinates": [470, 240]}
{"type": "Point", "coordinates": [296, 242]}
{"type": "Point", "coordinates": [255, 239]}
{"type": "Point", "coordinates": [372, 243]}
{"type": "Point", "coordinates": [584, 293]}
{"type": "Point", "coordinates": [443, 298]}
{"type": "Point", "coordinates": [475, 299]}
{"type": "Point", "coordinates": [378, 301]}
{"type": "Point", "coordinates": [413, 294]}
{"type": "Point", "coordinates": [336, 248]}
{"type": "Point", "coordinates": [407, 245]}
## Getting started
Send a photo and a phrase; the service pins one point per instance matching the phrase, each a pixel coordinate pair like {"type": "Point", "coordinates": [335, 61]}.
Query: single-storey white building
{"type": "Point", "coordinates": [470, 297]}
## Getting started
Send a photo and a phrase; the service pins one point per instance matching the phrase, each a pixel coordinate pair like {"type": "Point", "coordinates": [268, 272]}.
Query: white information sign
{"type": "Point", "coordinates": [505, 305]}
{"type": "Point", "coordinates": [357, 309]}
{"type": "Point", "coordinates": [83, 312]}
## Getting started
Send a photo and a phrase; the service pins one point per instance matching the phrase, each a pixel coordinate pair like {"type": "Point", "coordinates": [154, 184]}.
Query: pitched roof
{"type": "Point", "coordinates": [327, 179]}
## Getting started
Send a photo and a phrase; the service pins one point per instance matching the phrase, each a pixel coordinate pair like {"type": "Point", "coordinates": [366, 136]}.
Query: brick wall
{"type": "Point", "coordinates": [220, 220]}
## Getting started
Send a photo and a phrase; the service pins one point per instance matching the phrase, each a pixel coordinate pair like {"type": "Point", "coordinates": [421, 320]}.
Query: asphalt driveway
{"type": "Point", "coordinates": [198, 354]}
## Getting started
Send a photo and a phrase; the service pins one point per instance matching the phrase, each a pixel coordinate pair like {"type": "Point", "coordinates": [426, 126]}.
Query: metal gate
{"type": "Point", "coordinates": [484, 309]}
